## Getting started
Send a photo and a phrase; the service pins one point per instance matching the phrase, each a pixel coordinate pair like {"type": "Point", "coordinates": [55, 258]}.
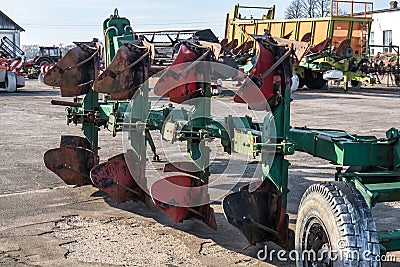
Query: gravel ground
{"type": "Point", "coordinates": [46, 223]}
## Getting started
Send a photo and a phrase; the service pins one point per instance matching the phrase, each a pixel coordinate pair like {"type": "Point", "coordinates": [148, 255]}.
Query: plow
{"type": "Point", "coordinates": [333, 216]}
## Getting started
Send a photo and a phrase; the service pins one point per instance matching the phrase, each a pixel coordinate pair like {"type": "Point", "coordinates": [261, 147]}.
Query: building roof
{"type": "Point", "coordinates": [8, 24]}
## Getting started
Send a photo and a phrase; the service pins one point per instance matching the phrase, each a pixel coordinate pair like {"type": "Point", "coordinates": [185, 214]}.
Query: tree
{"type": "Point", "coordinates": [30, 51]}
{"type": "Point", "coordinates": [323, 8]}
{"type": "Point", "coordinates": [65, 48]}
{"type": "Point", "coordinates": [307, 9]}
{"type": "Point", "coordinates": [294, 10]}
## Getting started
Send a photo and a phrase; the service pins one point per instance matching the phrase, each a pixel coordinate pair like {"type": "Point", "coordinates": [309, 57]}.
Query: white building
{"type": "Point", "coordinates": [10, 29]}
{"type": "Point", "coordinates": [385, 28]}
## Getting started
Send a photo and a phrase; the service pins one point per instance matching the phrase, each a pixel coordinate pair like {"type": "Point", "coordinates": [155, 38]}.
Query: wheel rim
{"type": "Point", "coordinates": [315, 238]}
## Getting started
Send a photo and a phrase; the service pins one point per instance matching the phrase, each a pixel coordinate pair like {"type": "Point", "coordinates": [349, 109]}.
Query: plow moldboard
{"type": "Point", "coordinates": [242, 207]}
{"type": "Point", "coordinates": [179, 197]}
{"type": "Point", "coordinates": [72, 80]}
{"type": "Point", "coordinates": [119, 79]}
{"type": "Point", "coordinates": [71, 164]}
{"type": "Point", "coordinates": [114, 178]}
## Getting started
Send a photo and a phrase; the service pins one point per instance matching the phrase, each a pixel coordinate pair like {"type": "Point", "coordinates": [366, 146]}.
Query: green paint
{"type": "Point", "coordinates": [390, 240]}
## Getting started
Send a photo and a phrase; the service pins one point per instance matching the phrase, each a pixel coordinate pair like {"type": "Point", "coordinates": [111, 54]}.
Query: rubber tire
{"type": "Point", "coordinates": [312, 82]}
{"type": "Point", "coordinates": [356, 84]}
{"type": "Point", "coordinates": [11, 82]}
{"type": "Point", "coordinates": [44, 60]}
{"type": "Point", "coordinates": [346, 218]}
{"type": "Point", "coordinates": [302, 82]}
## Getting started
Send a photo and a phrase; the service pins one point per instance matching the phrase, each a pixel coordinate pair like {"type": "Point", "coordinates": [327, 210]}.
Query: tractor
{"type": "Point", "coordinates": [332, 217]}
{"type": "Point", "coordinates": [47, 56]}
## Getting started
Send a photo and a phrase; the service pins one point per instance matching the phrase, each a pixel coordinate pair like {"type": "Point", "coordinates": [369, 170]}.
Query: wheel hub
{"type": "Point", "coordinates": [317, 240]}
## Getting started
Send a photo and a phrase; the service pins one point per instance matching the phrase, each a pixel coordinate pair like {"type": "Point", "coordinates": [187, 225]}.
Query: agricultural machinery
{"type": "Point", "coordinates": [333, 216]}
{"type": "Point", "coordinates": [336, 47]}
{"type": "Point", "coordinates": [11, 66]}
{"type": "Point", "coordinates": [386, 66]}
{"type": "Point", "coordinates": [47, 57]}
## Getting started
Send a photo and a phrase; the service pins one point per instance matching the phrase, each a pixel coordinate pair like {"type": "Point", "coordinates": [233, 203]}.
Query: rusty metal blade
{"type": "Point", "coordinates": [232, 44]}
{"type": "Point", "coordinates": [306, 37]}
{"type": "Point", "coordinates": [71, 164]}
{"type": "Point", "coordinates": [74, 141]}
{"type": "Point", "coordinates": [300, 47]}
{"type": "Point", "coordinates": [175, 195]}
{"type": "Point", "coordinates": [127, 71]}
{"type": "Point", "coordinates": [343, 46]}
{"type": "Point", "coordinates": [73, 77]}
{"type": "Point", "coordinates": [224, 42]}
{"type": "Point", "coordinates": [319, 48]}
{"type": "Point", "coordinates": [243, 48]}
{"type": "Point", "coordinates": [255, 214]}
{"type": "Point", "coordinates": [114, 178]}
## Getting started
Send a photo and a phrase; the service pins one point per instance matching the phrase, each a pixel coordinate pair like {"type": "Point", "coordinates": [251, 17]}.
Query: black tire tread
{"type": "Point", "coordinates": [342, 198]}
{"type": "Point", "coordinates": [312, 82]}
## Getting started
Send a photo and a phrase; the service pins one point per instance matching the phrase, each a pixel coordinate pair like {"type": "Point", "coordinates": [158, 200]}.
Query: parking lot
{"type": "Point", "coordinates": [46, 223]}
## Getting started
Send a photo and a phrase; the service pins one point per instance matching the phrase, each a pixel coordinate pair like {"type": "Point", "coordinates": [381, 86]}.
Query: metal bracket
{"type": "Point", "coordinates": [168, 131]}
{"type": "Point", "coordinates": [244, 143]}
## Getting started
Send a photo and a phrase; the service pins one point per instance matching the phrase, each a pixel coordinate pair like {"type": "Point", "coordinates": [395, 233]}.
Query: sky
{"type": "Point", "coordinates": [62, 22]}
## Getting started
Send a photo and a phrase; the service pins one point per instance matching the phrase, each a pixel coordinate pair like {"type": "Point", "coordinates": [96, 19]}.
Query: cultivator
{"type": "Point", "coordinates": [258, 210]}
{"type": "Point", "coordinates": [336, 42]}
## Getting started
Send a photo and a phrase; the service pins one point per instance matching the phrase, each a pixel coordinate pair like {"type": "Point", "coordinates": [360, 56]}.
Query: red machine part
{"type": "Point", "coordinates": [75, 72]}
{"type": "Point", "coordinates": [128, 70]}
{"type": "Point", "coordinates": [176, 196]}
{"type": "Point", "coordinates": [16, 65]}
{"type": "Point", "coordinates": [71, 164]}
{"type": "Point", "coordinates": [72, 161]}
{"type": "Point", "coordinates": [167, 84]}
{"type": "Point", "coordinates": [247, 93]}
{"type": "Point", "coordinates": [45, 67]}
{"type": "Point", "coordinates": [114, 178]}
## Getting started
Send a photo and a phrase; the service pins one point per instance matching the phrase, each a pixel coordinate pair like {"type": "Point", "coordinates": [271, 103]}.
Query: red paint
{"type": "Point", "coordinates": [171, 84]}
{"type": "Point", "coordinates": [249, 93]}
{"type": "Point", "coordinates": [112, 176]}
{"type": "Point", "coordinates": [174, 193]}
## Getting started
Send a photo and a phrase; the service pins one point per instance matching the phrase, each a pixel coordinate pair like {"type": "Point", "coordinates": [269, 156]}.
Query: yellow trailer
{"type": "Point", "coordinates": [338, 42]}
